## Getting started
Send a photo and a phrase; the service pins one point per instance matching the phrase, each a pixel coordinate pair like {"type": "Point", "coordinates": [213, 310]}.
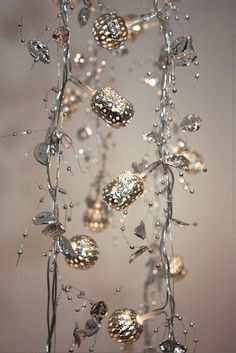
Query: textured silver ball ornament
{"type": "Point", "coordinates": [112, 107]}
{"type": "Point", "coordinates": [123, 326]}
{"type": "Point", "coordinates": [123, 190]}
{"type": "Point", "coordinates": [110, 31]}
{"type": "Point", "coordinates": [86, 250]}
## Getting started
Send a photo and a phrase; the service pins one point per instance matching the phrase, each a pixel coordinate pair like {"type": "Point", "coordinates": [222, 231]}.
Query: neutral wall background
{"type": "Point", "coordinates": [207, 295]}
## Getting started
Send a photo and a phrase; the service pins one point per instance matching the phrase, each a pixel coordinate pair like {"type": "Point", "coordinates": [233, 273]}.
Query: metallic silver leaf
{"type": "Point", "coordinates": [140, 230]}
{"type": "Point", "coordinates": [191, 123]}
{"type": "Point", "coordinates": [54, 229]}
{"type": "Point", "coordinates": [41, 153]}
{"type": "Point", "coordinates": [171, 346]}
{"type": "Point", "coordinates": [91, 327]}
{"type": "Point", "coordinates": [178, 161]}
{"type": "Point", "coordinates": [44, 218]}
{"type": "Point", "coordinates": [39, 51]}
{"type": "Point", "coordinates": [137, 253]}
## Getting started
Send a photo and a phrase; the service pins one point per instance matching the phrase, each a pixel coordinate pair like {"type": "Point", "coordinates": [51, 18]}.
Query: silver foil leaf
{"type": "Point", "coordinates": [153, 136]}
{"type": "Point", "coordinates": [41, 153]}
{"type": "Point", "coordinates": [83, 16]}
{"type": "Point", "coordinates": [140, 230]}
{"type": "Point", "coordinates": [91, 327]}
{"type": "Point", "coordinates": [178, 161]}
{"type": "Point", "coordinates": [84, 133]}
{"type": "Point", "coordinates": [64, 246]}
{"type": "Point", "coordinates": [54, 229]}
{"type": "Point", "coordinates": [39, 51]}
{"type": "Point", "coordinates": [171, 346]}
{"type": "Point", "coordinates": [182, 52]}
{"type": "Point", "coordinates": [43, 218]}
{"type": "Point", "coordinates": [99, 310]}
{"type": "Point", "coordinates": [191, 123]}
{"type": "Point", "coordinates": [137, 253]}
{"type": "Point", "coordinates": [181, 224]}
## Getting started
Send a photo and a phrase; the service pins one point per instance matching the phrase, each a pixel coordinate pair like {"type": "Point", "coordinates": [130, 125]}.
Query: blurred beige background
{"type": "Point", "coordinates": [207, 295]}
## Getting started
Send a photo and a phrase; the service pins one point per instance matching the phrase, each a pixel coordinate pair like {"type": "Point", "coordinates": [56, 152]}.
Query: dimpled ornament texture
{"type": "Point", "coordinates": [123, 326]}
{"type": "Point", "coordinates": [112, 107]}
{"type": "Point", "coordinates": [123, 190]}
{"type": "Point", "coordinates": [86, 250]}
{"type": "Point", "coordinates": [110, 31]}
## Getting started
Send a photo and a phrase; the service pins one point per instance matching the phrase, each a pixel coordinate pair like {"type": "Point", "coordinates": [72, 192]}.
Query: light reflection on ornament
{"type": "Point", "coordinates": [123, 190]}
{"type": "Point", "coordinates": [110, 31]}
{"type": "Point", "coordinates": [96, 219]}
{"type": "Point", "coordinates": [135, 27]}
{"type": "Point", "coordinates": [87, 252]}
{"type": "Point", "coordinates": [72, 3]}
{"type": "Point", "coordinates": [112, 107]}
{"type": "Point", "coordinates": [123, 326]}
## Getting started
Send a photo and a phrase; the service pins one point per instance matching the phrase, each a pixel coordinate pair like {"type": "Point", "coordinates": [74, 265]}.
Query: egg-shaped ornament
{"type": "Point", "coordinates": [96, 218]}
{"type": "Point", "coordinates": [110, 31]}
{"type": "Point", "coordinates": [135, 27]}
{"type": "Point", "coordinates": [123, 190]}
{"type": "Point", "coordinates": [123, 326]}
{"type": "Point", "coordinates": [112, 107]}
{"type": "Point", "coordinates": [86, 253]}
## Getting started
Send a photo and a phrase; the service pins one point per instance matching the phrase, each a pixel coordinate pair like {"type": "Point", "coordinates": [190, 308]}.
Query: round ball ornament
{"type": "Point", "coordinates": [110, 31]}
{"type": "Point", "coordinates": [123, 326]}
{"type": "Point", "coordinates": [96, 219]}
{"type": "Point", "coordinates": [123, 190]}
{"type": "Point", "coordinates": [86, 253]}
{"type": "Point", "coordinates": [112, 107]}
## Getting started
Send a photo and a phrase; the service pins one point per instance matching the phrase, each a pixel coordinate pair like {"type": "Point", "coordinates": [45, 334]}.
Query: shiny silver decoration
{"type": "Point", "coordinates": [137, 253]}
{"type": "Point", "coordinates": [110, 31]}
{"type": "Point", "coordinates": [41, 152]}
{"type": "Point", "coordinates": [91, 327]}
{"type": "Point", "coordinates": [171, 346]}
{"type": "Point", "coordinates": [153, 136]}
{"type": "Point", "coordinates": [87, 252]}
{"type": "Point", "coordinates": [64, 246]}
{"type": "Point", "coordinates": [44, 218]}
{"type": "Point", "coordinates": [112, 107]}
{"type": "Point", "coordinates": [191, 123]}
{"type": "Point", "coordinates": [99, 310]}
{"type": "Point", "coordinates": [39, 51]}
{"type": "Point", "coordinates": [54, 229]}
{"type": "Point", "coordinates": [178, 161]}
{"type": "Point", "coordinates": [123, 190]}
{"type": "Point", "coordinates": [140, 230]}
{"type": "Point", "coordinates": [61, 36]}
{"type": "Point", "coordinates": [123, 326]}
{"type": "Point", "coordinates": [182, 52]}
